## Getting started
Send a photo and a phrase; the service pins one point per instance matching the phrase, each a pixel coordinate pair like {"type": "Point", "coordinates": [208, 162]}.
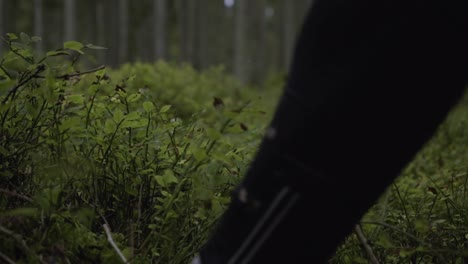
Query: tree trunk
{"type": "Point", "coordinates": [38, 24]}
{"type": "Point", "coordinates": [187, 30]}
{"type": "Point", "coordinates": [123, 31]}
{"type": "Point", "coordinates": [2, 25]}
{"type": "Point", "coordinates": [289, 32]}
{"type": "Point", "coordinates": [258, 50]}
{"type": "Point", "coordinates": [70, 20]}
{"type": "Point", "coordinates": [160, 35]}
{"type": "Point", "coordinates": [87, 28]}
{"type": "Point", "coordinates": [240, 40]}
{"type": "Point", "coordinates": [200, 37]}
{"type": "Point", "coordinates": [7, 19]}
{"type": "Point", "coordinates": [53, 11]}
{"type": "Point", "coordinates": [100, 30]}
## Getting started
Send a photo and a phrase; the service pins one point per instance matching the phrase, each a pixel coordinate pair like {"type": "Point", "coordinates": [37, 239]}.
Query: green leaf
{"type": "Point", "coordinates": [165, 108]}
{"type": "Point", "coordinates": [223, 158]}
{"type": "Point", "coordinates": [170, 177]}
{"type": "Point", "coordinates": [133, 97]}
{"type": "Point", "coordinates": [118, 115]}
{"type": "Point", "coordinates": [5, 85]}
{"type": "Point", "coordinates": [166, 179]}
{"type": "Point", "coordinates": [91, 46]}
{"type": "Point", "coordinates": [100, 73]}
{"type": "Point", "coordinates": [22, 212]}
{"type": "Point", "coordinates": [160, 180]}
{"type": "Point", "coordinates": [93, 89]}
{"type": "Point", "coordinates": [4, 151]}
{"type": "Point", "coordinates": [131, 191]}
{"type": "Point", "coordinates": [76, 98]}
{"type": "Point", "coordinates": [57, 53]}
{"type": "Point", "coordinates": [148, 106]}
{"type": "Point", "coordinates": [25, 38]}
{"type": "Point", "coordinates": [36, 39]}
{"type": "Point", "coordinates": [384, 241]}
{"type": "Point", "coordinates": [146, 171]}
{"type": "Point", "coordinates": [133, 116]}
{"type": "Point", "coordinates": [213, 133]}
{"type": "Point", "coordinates": [421, 226]}
{"type": "Point", "coordinates": [12, 36]}
{"type": "Point", "coordinates": [199, 154]}
{"type": "Point", "coordinates": [73, 122]}
{"type": "Point", "coordinates": [109, 127]}
{"type": "Point", "coordinates": [74, 45]}
{"type": "Point", "coordinates": [133, 123]}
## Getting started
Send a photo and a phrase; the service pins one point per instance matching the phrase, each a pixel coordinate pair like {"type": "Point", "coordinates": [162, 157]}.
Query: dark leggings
{"type": "Point", "coordinates": [369, 84]}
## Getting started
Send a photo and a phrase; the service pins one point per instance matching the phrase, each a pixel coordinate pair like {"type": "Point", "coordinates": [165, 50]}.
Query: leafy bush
{"type": "Point", "coordinates": [149, 150]}
{"type": "Point", "coordinates": [98, 165]}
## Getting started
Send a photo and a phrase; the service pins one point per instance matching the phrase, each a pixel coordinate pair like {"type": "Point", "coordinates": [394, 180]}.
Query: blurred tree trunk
{"type": "Point", "coordinates": [70, 20]}
{"type": "Point", "coordinates": [289, 32]}
{"type": "Point", "coordinates": [142, 28]}
{"type": "Point", "coordinates": [200, 61]}
{"type": "Point", "coordinates": [2, 25]}
{"type": "Point", "coordinates": [100, 29]}
{"type": "Point", "coordinates": [258, 51]}
{"type": "Point", "coordinates": [7, 18]}
{"type": "Point", "coordinates": [86, 30]}
{"type": "Point", "coordinates": [2, 13]}
{"type": "Point", "coordinates": [302, 9]}
{"type": "Point", "coordinates": [240, 40]}
{"type": "Point", "coordinates": [54, 23]}
{"type": "Point", "coordinates": [160, 33]}
{"type": "Point", "coordinates": [112, 31]}
{"type": "Point", "coordinates": [123, 31]}
{"type": "Point", "coordinates": [38, 24]}
{"type": "Point", "coordinates": [187, 30]}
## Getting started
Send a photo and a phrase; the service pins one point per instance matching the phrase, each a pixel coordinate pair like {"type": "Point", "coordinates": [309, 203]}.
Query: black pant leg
{"type": "Point", "coordinates": [369, 83]}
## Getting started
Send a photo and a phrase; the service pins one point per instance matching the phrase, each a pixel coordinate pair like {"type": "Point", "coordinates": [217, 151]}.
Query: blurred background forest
{"type": "Point", "coordinates": [251, 39]}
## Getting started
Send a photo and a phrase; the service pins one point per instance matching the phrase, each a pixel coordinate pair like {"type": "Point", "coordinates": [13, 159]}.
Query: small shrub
{"type": "Point", "coordinates": [149, 150]}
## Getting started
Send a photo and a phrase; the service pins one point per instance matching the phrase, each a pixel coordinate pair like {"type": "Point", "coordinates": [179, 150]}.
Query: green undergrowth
{"type": "Point", "coordinates": [150, 151]}
{"type": "Point", "coordinates": [99, 165]}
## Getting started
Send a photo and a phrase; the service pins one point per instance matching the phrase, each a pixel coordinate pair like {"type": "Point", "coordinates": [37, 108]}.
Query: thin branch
{"type": "Point", "coordinates": [19, 239]}
{"type": "Point", "coordinates": [362, 238]}
{"type": "Point", "coordinates": [393, 228]}
{"type": "Point", "coordinates": [70, 75]}
{"type": "Point", "coordinates": [111, 241]}
{"type": "Point", "coordinates": [6, 258]}
{"type": "Point", "coordinates": [15, 194]}
{"type": "Point", "coordinates": [40, 68]}
{"type": "Point", "coordinates": [15, 51]}
{"type": "Point", "coordinates": [4, 70]}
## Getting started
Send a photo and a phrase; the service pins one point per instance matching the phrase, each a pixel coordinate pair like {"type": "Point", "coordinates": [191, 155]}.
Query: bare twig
{"type": "Point", "coordinates": [5, 71]}
{"type": "Point", "coordinates": [111, 241]}
{"type": "Point", "coordinates": [396, 229]}
{"type": "Point", "coordinates": [19, 239]}
{"type": "Point", "coordinates": [15, 194]}
{"type": "Point", "coordinates": [40, 68]}
{"type": "Point", "coordinates": [70, 75]}
{"type": "Point", "coordinates": [140, 195]}
{"type": "Point", "coordinates": [12, 234]}
{"type": "Point", "coordinates": [370, 253]}
{"type": "Point", "coordinates": [6, 258]}
{"type": "Point", "coordinates": [392, 228]}
{"type": "Point", "coordinates": [131, 227]}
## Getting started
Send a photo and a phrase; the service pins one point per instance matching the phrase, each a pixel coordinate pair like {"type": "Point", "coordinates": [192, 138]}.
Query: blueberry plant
{"type": "Point", "coordinates": [136, 164]}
